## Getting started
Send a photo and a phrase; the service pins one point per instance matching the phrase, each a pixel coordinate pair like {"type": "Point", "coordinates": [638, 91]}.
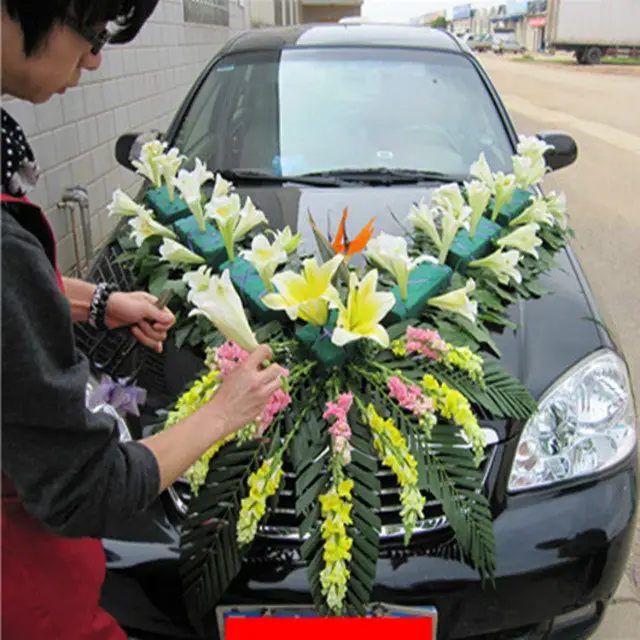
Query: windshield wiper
{"type": "Point", "coordinates": [386, 175]}
{"type": "Point", "coordinates": [257, 176]}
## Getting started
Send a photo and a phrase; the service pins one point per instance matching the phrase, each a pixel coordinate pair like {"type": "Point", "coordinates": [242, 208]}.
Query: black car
{"type": "Point", "coordinates": [374, 118]}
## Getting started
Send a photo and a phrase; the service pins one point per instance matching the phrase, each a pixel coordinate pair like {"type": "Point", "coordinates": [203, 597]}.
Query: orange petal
{"type": "Point", "coordinates": [361, 240]}
{"type": "Point", "coordinates": [338, 244]}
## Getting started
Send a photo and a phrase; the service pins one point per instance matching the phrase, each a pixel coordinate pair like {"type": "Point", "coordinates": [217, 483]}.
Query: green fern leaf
{"type": "Point", "coordinates": [210, 557]}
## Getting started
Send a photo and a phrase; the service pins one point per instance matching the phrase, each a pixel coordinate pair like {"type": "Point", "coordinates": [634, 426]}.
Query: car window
{"type": "Point", "coordinates": [308, 110]}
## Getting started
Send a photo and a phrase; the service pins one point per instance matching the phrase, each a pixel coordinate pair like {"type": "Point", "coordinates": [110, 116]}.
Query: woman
{"type": "Point", "coordinates": [65, 477]}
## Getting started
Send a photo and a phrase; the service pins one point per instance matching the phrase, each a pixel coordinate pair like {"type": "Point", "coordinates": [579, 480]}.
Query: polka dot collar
{"type": "Point", "coordinates": [19, 168]}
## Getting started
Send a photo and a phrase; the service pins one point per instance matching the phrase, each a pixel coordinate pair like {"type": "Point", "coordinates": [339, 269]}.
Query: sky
{"type": "Point", "coordinates": [403, 10]}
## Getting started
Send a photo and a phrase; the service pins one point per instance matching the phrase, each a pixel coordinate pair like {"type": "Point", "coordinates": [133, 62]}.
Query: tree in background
{"type": "Point", "coordinates": [439, 23]}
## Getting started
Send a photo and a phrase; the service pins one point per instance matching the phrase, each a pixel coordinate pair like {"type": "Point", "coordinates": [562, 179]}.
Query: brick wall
{"type": "Point", "coordinates": [138, 87]}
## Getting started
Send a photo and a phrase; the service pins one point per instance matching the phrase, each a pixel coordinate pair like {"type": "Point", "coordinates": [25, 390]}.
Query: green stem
{"type": "Point", "coordinates": [404, 288]}
{"type": "Point", "coordinates": [497, 208]}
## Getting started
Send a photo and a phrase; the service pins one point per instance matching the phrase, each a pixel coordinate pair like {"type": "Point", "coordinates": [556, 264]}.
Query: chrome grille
{"type": "Point", "coordinates": [283, 524]}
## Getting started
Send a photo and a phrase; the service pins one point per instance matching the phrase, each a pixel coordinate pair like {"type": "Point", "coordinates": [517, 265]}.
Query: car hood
{"type": "Point", "coordinates": [554, 331]}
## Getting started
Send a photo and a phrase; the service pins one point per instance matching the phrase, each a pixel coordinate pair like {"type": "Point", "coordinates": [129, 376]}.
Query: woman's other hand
{"type": "Point", "coordinates": [138, 308]}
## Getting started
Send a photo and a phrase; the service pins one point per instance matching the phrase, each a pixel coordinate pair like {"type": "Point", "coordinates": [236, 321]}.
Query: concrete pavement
{"type": "Point", "coordinates": [600, 109]}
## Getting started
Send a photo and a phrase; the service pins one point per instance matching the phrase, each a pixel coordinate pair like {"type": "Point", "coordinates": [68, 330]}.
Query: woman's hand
{"type": "Point", "coordinates": [246, 391]}
{"type": "Point", "coordinates": [138, 309]}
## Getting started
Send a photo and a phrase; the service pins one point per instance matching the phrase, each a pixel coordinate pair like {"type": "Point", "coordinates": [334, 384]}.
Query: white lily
{"type": "Point", "coordinates": [221, 187]}
{"type": "Point", "coordinates": [265, 258]}
{"type": "Point", "coordinates": [391, 253]}
{"type": "Point", "coordinates": [537, 211]}
{"type": "Point", "coordinates": [557, 205]}
{"type": "Point", "coordinates": [286, 239]}
{"type": "Point", "coordinates": [449, 196]}
{"type": "Point", "coordinates": [524, 239]}
{"type": "Point", "coordinates": [225, 212]}
{"type": "Point", "coordinates": [250, 217]}
{"type": "Point", "coordinates": [458, 301]}
{"type": "Point", "coordinates": [197, 281]}
{"type": "Point", "coordinates": [528, 171]}
{"type": "Point", "coordinates": [451, 222]}
{"type": "Point", "coordinates": [148, 165]}
{"type": "Point", "coordinates": [481, 170]}
{"type": "Point", "coordinates": [221, 304]}
{"type": "Point", "coordinates": [532, 147]}
{"type": "Point", "coordinates": [189, 183]}
{"type": "Point", "coordinates": [233, 222]}
{"type": "Point", "coordinates": [479, 195]}
{"type": "Point", "coordinates": [123, 205]}
{"type": "Point", "coordinates": [502, 264]}
{"type": "Point", "coordinates": [504, 188]}
{"type": "Point", "coordinates": [424, 218]}
{"type": "Point", "coordinates": [365, 309]}
{"type": "Point", "coordinates": [169, 165]}
{"type": "Point", "coordinates": [173, 251]}
{"type": "Point", "coordinates": [144, 226]}
{"type": "Point", "coordinates": [307, 295]}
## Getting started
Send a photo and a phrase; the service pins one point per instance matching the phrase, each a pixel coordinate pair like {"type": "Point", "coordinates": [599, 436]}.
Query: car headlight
{"type": "Point", "coordinates": [585, 424]}
{"type": "Point", "coordinates": [124, 435]}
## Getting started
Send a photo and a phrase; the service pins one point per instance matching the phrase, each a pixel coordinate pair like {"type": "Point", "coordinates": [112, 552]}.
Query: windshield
{"type": "Point", "coordinates": [302, 111]}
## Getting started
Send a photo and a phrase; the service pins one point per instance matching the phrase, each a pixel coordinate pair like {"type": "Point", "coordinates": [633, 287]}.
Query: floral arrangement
{"type": "Point", "coordinates": [391, 365]}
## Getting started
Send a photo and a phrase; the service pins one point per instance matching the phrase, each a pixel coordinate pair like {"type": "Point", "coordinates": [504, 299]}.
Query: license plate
{"type": "Point", "coordinates": [378, 609]}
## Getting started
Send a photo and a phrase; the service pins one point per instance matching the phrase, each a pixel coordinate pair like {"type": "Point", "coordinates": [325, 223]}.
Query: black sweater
{"type": "Point", "coordinates": [66, 463]}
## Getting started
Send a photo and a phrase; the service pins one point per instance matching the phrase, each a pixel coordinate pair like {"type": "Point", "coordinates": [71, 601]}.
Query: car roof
{"type": "Point", "coordinates": [331, 35]}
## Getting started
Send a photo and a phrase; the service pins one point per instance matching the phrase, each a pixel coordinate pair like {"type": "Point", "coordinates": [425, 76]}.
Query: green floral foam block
{"type": "Point", "coordinates": [519, 202]}
{"type": "Point", "coordinates": [207, 243]}
{"type": "Point", "coordinates": [425, 281]}
{"type": "Point", "coordinates": [318, 342]}
{"type": "Point", "coordinates": [251, 289]}
{"type": "Point", "coordinates": [167, 212]}
{"type": "Point", "coordinates": [465, 249]}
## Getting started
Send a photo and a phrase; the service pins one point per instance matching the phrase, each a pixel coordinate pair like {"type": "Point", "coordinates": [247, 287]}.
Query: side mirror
{"type": "Point", "coordinates": [564, 152]}
{"type": "Point", "coordinates": [129, 146]}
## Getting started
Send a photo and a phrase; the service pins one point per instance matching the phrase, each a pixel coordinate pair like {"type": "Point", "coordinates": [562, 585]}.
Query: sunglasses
{"type": "Point", "coordinates": [96, 40]}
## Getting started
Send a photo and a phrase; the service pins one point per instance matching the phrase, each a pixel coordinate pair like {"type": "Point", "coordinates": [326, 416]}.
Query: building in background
{"type": "Point", "coordinates": [267, 13]}
{"type": "Point", "coordinates": [312, 11]}
{"type": "Point", "coordinates": [462, 19]}
{"type": "Point", "coordinates": [536, 25]}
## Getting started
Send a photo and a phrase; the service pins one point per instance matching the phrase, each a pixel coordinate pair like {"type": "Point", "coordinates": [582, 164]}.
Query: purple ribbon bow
{"type": "Point", "coordinates": [122, 397]}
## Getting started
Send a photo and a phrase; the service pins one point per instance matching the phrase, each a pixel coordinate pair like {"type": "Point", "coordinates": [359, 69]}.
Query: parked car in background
{"type": "Point", "coordinates": [375, 118]}
{"type": "Point", "coordinates": [481, 43]}
{"type": "Point", "coordinates": [507, 46]}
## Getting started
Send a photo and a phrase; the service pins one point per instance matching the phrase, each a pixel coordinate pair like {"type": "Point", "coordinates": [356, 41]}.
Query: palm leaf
{"type": "Point", "coordinates": [457, 484]}
{"type": "Point", "coordinates": [210, 557]}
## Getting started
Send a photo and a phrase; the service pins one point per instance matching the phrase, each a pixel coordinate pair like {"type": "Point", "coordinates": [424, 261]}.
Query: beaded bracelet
{"type": "Point", "coordinates": [98, 306]}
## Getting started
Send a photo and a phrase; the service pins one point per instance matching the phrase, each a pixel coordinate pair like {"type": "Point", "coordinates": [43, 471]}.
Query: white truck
{"type": "Point", "coordinates": [590, 28]}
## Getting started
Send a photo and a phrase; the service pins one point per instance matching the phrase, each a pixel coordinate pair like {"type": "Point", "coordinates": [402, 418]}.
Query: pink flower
{"type": "Point", "coordinates": [345, 401]}
{"type": "Point", "coordinates": [278, 402]}
{"type": "Point", "coordinates": [411, 398]}
{"type": "Point", "coordinates": [426, 342]}
{"type": "Point", "coordinates": [228, 356]}
{"type": "Point", "coordinates": [340, 430]}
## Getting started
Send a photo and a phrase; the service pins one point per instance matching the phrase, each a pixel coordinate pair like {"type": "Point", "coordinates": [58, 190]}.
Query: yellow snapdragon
{"type": "Point", "coordinates": [336, 510]}
{"type": "Point", "coordinates": [452, 405]}
{"type": "Point", "coordinates": [262, 485]}
{"type": "Point", "coordinates": [463, 358]}
{"type": "Point", "coordinates": [394, 452]}
{"type": "Point", "coordinates": [189, 402]}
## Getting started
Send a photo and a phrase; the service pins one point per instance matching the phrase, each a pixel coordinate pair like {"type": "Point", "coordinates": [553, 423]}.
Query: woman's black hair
{"type": "Point", "coordinates": [37, 17]}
